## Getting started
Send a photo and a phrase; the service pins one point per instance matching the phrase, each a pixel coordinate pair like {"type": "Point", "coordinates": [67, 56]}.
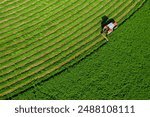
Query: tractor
{"type": "Point", "coordinates": [108, 25]}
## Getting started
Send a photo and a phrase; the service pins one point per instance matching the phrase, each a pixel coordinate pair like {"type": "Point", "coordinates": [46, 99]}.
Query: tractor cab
{"type": "Point", "coordinates": [109, 28]}
{"type": "Point", "coordinates": [108, 25]}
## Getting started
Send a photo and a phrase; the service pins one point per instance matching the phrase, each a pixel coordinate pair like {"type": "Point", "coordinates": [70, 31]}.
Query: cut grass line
{"type": "Point", "coordinates": [47, 49]}
{"type": "Point", "coordinates": [137, 1]}
{"type": "Point", "coordinates": [20, 9]}
{"type": "Point", "coordinates": [35, 15]}
{"type": "Point", "coordinates": [34, 66]}
{"type": "Point", "coordinates": [6, 3]}
{"type": "Point", "coordinates": [56, 54]}
{"type": "Point", "coordinates": [67, 23]}
{"type": "Point", "coordinates": [44, 75]}
{"type": "Point", "coordinates": [23, 34]}
{"type": "Point", "coordinates": [16, 5]}
{"type": "Point", "coordinates": [60, 39]}
{"type": "Point", "coordinates": [31, 31]}
{"type": "Point", "coordinates": [57, 67]}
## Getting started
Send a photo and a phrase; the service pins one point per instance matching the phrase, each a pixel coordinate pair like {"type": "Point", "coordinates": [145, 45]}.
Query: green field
{"type": "Point", "coordinates": [39, 39]}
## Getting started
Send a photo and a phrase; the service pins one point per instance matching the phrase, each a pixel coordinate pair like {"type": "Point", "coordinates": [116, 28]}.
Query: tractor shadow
{"type": "Point", "coordinates": [105, 20]}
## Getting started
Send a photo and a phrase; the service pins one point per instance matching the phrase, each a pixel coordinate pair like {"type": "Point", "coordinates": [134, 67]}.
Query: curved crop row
{"type": "Point", "coordinates": [61, 53]}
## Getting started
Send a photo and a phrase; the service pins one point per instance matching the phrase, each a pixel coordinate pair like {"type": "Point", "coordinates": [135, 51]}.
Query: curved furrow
{"type": "Point", "coordinates": [55, 40]}
{"type": "Point", "coordinates": [27, 17]}
{"type": "Point", "coordinates": [19, 79]}
{"type": "Point", "coordinates": [32, 36]}
{"type": "Point", "coordinates": [53, 31]}
{"type": "Point", "coordinates": [84, 39]}
{"type": "Point", "coordinates": [8, 40]}
{"type": "Point", "coordinates": [5, 3]}
{"type": "Point", "coordinates": [14, 6]}
{"type": "Point", "coordinates": [17, 10]}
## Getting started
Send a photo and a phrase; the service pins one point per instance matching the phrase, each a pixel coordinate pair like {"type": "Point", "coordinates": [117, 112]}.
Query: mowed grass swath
{"type": "Point", "coordinates": [40, 38]}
